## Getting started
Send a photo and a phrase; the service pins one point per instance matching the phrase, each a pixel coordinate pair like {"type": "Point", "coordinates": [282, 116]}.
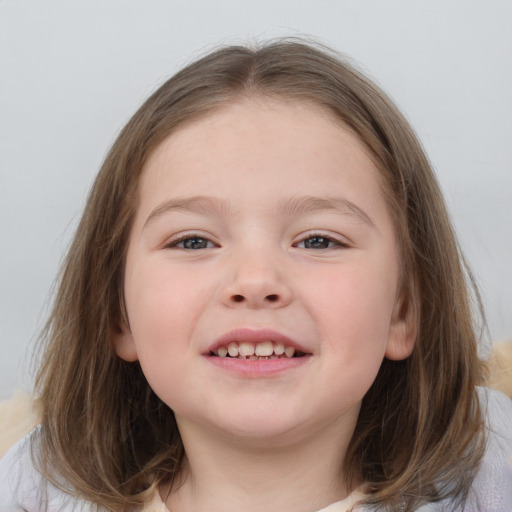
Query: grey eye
{"type": "Point", "coordinates": [318, 242]}
{"type": "Point", "coordinates": [193, 243]}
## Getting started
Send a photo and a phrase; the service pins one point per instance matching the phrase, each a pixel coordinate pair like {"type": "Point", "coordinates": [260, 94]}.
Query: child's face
{"type": "Point", "coordinates": [263, 223]}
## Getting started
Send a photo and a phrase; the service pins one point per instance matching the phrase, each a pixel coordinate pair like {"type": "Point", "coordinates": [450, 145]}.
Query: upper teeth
{"type": "Point", "coordinates": [263, 349]}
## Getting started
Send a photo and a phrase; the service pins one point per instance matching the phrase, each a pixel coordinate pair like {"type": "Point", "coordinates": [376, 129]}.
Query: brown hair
{"type": "Point", "coordinates": [419, 435]}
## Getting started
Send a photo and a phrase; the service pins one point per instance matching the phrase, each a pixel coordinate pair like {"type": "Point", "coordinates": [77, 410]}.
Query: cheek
{"type": "Point", "coordinates": [154, 287]}
{"type": "Point", "coordinates": [355, 332]}
{"type": "Point", "coordinates": [163, 306]}
{"type": "Point", "coordinates": [353, 312]}
{"type": "Point", "coordinates": [161, 318]}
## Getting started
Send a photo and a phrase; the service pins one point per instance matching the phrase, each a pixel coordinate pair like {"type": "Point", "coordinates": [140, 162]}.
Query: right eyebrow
{"type": "Point", "coordinates": [196, 204]}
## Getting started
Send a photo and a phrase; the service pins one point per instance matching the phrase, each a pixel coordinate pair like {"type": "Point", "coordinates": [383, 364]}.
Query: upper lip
{"type": "Point", "coordinates": [248, 335]}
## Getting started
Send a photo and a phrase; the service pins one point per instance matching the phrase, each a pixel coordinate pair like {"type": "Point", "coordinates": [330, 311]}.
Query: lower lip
{"type": "Point", "coordinates": [257, 367]}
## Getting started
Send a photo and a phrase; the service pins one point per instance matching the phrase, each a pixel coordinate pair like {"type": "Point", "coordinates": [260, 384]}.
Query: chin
{"type": "Point", "coordinates": [263, 429]}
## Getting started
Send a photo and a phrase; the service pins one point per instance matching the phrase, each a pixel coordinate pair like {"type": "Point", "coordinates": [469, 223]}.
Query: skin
{"type": "Point", "coordinates": [269, 257]}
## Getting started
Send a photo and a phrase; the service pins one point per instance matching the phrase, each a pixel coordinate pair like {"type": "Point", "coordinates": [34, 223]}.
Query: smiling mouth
{"type": "Point", "coordinates": [257, 351]}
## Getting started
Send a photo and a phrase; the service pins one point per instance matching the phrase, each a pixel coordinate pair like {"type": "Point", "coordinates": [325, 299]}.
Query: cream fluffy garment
{"type": "Point", "coordinates": [18, 416]}
{"type": "Point", "coordinates": [500, 362]}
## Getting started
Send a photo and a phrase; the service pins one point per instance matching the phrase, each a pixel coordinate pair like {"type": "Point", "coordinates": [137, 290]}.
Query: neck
{"type": "Point", "coordinates": [229, 475]}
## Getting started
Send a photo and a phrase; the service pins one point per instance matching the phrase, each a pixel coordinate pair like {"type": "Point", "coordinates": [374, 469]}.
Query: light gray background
{"type": "Point", "coordinates": [72, 72]}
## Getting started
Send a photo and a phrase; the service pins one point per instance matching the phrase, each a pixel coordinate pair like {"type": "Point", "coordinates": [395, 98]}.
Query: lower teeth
{"type": "Point", "coordinates": [259, 358]}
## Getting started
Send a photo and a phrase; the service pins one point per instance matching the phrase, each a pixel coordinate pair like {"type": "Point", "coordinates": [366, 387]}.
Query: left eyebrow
{"type": "Point", "coordinates": [311, 204]}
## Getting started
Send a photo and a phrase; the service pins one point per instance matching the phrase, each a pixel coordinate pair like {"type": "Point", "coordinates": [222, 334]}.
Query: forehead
{"type": "Point", "coordinates": [242, 133]}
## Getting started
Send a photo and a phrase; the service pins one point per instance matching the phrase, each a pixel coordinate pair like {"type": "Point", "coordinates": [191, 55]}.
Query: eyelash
{"type": "Point", "coordinates": [174, 244]}
{"type": "Point", "coordinates": [321, 236]}
{"type": "Point", "coordinates": [331, 242]}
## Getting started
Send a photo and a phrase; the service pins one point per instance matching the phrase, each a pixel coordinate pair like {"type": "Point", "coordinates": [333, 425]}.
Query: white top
{"type": "Point", "coordinates": [23, 489]}
{"type": "Point", "coordinates": [346, 505]}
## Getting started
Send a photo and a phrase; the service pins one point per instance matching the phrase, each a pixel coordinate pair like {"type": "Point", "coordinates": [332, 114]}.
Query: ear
{"type": "Point", "coordinates": [403, 329]}
{"type": "Point", "coordinates": [124, 344]}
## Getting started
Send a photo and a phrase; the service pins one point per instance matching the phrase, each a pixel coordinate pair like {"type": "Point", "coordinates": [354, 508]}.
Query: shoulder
{"type": "Point", "coordinates": [23, 488]}
{"type": "Point", "coordinates": [18, 478]}
{"type": "Point", "coordinates": [498, 408]}
{"type": "Point", "coordinates": [492, 488]}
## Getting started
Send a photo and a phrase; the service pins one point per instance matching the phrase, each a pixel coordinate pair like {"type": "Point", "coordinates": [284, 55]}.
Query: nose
{"type": "Point", "coordinates": [256, 283]}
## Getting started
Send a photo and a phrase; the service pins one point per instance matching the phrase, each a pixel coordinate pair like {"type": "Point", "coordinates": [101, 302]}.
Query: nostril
{"type": "Point", "coordinates": [273, 298]}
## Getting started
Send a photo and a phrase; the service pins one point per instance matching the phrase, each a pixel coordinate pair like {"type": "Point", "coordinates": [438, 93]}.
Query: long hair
{"type": "Point", "coordinates": [419, 435]}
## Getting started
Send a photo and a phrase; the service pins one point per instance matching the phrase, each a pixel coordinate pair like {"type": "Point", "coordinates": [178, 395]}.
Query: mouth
{"type": "Point", "coordinates": [256, 345]}
{"type": "Point", "coordinates": [257, 351]}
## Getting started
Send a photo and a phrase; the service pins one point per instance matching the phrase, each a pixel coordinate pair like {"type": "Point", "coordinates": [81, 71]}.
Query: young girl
{"type": "Point", "coordinates": [264, 309]}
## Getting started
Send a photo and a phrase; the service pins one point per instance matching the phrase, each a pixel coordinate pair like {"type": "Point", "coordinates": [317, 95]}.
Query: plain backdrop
{"type": "Point", "coordinates": [72, 73]}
